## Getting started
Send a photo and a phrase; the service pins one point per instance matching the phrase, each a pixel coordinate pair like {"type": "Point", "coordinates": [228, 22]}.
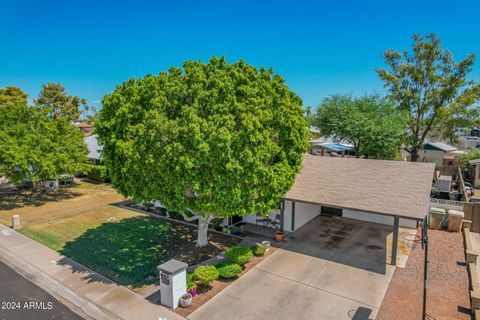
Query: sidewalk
{"type": "Point", "coordinates": [85, 291]}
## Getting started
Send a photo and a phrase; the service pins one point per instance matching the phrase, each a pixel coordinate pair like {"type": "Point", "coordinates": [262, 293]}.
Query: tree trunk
{"type": "Point", "coordinates": [414, 155]}
{"type": "Point", "coordinates": [202, 239]}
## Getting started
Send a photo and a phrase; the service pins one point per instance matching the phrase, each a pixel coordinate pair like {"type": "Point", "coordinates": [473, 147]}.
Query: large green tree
{"type": "Point", "coordinates": [58, 103]}
{"type": "Point", "coordinates": [36, 147]}
{"type": "Point", "coordinates": [432, 88]}
{"type": "Point", "coordinates": [208, 140]}
{"type": "Point", "coordinates": [12, 96]}
{"type": "Point", "coordinates": [370, 123]}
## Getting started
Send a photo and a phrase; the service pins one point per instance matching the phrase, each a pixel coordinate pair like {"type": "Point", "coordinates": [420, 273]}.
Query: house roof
{"type": "Point", "coordinates": [395, 188]}
{"type": "Point", "coordinates": [94, 148]}
{"type": "Point", "coordinates": [444, 183]}
{"type": "Point", "coordinates": [438, 146]}
{"type": "Point", "coordinates": [474, 161]}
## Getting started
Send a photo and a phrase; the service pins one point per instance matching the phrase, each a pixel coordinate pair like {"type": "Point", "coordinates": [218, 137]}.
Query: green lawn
{"type": "Point", "coordinates": [123, 245]}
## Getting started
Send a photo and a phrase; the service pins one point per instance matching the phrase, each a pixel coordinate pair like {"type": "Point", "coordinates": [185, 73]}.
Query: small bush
{"type": "Point", "coordinates": [205, 274]}
{"type": "Point", "coordinates": [259, 250]}
{"type": "Point", "coordinates": [228, 269]}
{"type": "Point", "coordinates": [97, 173]}
{"type": "Point", "coordinates": [191, 285]}
{"type": "Point", "coordinates": [238, 254]}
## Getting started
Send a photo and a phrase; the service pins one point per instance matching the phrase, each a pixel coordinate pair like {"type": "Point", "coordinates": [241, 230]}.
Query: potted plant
{"type": "Point", "coordinates": [279, 235]}
{"type": "Point", "coordinates": [186, 300]}
{"type": "Point", "coordinates": [266, 244]}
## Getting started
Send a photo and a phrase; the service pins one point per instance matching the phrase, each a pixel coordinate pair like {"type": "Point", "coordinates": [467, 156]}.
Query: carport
{"type": "Point", "coordinates": [395, 193]}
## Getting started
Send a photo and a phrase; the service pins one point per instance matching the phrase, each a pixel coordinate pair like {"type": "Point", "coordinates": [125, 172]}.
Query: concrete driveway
{"type": "Point", "coordinates": [328, 269]}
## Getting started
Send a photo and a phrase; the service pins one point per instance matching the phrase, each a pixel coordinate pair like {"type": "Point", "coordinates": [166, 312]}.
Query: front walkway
{"type": "Point", "coordinates": [85, 291]}
{"type": "Point", "coordinates": [328, 269]}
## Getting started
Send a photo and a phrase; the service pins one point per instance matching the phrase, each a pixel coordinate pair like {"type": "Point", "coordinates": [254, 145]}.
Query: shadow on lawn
{"type": "Point", "coordinates": [13, 198]}
{"type": "Point", "coordinates": [129, 251]}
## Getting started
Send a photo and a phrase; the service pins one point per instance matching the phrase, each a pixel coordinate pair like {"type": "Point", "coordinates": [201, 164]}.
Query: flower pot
{"type": "Point", "coordinates": [266, 244]}
{"type": "Point", "coordinates": [186, 300]}
{"type": "Point", "coordinates": [278, 236]}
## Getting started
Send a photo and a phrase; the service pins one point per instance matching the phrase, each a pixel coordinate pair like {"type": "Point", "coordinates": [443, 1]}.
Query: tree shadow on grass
{"type": "Point", "coordinates": [129, 251]}
{"type": "Point", "coordinates": [13, 198]}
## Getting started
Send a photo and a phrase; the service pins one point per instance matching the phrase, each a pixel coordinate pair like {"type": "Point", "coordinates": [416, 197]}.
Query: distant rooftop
{"type": "Point", "coordinates": [439, 146]}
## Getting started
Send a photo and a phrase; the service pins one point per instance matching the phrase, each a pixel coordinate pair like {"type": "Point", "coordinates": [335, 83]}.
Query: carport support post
{"type": "Point", "coordinates": [293, 216]}
{"type": "Point", "coordinates": [282, 215]}
{"type": "Point", "coordinates": [395, 241]}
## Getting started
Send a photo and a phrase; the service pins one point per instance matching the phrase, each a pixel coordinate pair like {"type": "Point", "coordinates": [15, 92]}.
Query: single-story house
{"type": "Point", "coordinates": [395, 193]}
{"type": "Point", "coordinates": [86, 128]}
{"type": "Point", "coordinates": [94, 149]}
{"type": "Point", "coordinates": [474, 172]}
{"type": "Point", "coordinates": [325, 147]}
{"type": "Point", "coordinates": [439, 153]}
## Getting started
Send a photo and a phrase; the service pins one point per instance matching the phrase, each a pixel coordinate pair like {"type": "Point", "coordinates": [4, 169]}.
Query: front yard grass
{"type": "Point", "coordinates": [123, 245]}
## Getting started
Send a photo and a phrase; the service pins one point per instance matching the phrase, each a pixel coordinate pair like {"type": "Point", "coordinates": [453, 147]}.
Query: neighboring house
{"type": "Point", "coordinates": [325, 147]}
{"type": "Point", "coordinates": [94, 149]}
{"type": "Point", "coordinates": [474, 172]}
{"type": "Point", "coordinates": [439, 153]}
{"type": "Point", "coordinates": [395, 193]}
{"type": "Point", "coordinates": [469, 142]}
{"type": "Point", "coordinates": [85, 127]}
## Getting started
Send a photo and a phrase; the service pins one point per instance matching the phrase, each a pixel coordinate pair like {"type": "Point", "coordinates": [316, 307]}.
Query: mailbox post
{"type": "Point", "coordinates": [173, 282]}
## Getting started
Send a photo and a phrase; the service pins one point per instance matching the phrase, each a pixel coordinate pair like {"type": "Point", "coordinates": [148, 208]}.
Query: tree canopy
{"type": "Point", "coordinates": [432, 88]}
{"type": "Point", "coordinates": [36, 147]}
{"type": "Point", "coordinates": [58, 103]}
{"type": "Point", "coordinates": [467, 156]}
{"type": "Point", "coordinates": [370, 123]}
{"type": "Point", "coordinates": [214, 139]}
{"type": "Point", "coordinates": [12, 96]}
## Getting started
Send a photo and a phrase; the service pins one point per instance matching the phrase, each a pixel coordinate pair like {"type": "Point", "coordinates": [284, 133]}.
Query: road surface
{"type": "Point", "coordinates": [20, 299]}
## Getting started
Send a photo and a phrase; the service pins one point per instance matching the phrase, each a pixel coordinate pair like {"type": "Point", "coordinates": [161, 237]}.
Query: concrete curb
{"type": "Point", "coordinates": [80, 305]}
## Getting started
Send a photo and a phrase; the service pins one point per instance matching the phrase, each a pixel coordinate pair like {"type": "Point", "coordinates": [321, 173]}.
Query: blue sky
{"type": "Point", "coordinates": [320, 48]}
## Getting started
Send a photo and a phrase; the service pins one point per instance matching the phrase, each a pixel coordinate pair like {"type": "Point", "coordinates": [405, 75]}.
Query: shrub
{"type": "Point", "coordinates": [97, 173]}
{"type": "Point", "coordinates": [191, 285]}
{"type": "Point", "coordinates": [228, 269]}
{"type": "Point", "coordinates": [259, 250]}
{"type": "Point", "coordinates": [238, 254]}
{"type": "Point", "coordinates": [205, 274]}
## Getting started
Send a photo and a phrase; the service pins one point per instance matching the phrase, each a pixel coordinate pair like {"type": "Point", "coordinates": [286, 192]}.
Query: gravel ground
{"type": "Point", "coordinates": [448, 289]}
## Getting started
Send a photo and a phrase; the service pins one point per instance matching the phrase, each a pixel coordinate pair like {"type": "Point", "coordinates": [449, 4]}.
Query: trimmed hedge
{"type": "Point", "coordinates": [239, 254]}
{"type": "Point", "coordinates": [97, 173]}
{"type": "Point", "coordinates": [228, 269]}
{"type": "Point", "coordinates": [205, 274]}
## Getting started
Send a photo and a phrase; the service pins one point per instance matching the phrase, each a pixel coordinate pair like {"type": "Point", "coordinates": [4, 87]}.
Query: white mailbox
{"type": "Point", "coordinates": [173, 282]}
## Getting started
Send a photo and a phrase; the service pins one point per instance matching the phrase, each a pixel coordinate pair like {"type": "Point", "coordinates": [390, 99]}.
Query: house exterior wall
{"type": "Point", "coordinates": [304, 212]}
{"type": "Point", "coordinates": [377, 218]}
{"type": "Point", "coordinates": [434, 156]}
{"type": "Point", "coordinates": [476, 180]}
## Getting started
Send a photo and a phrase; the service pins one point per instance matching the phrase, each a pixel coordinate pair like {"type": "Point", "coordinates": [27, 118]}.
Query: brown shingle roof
{"type": "Point", "coordinates": [395, 188]}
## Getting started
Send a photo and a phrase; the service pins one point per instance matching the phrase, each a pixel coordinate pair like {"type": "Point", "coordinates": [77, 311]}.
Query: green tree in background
{"type": "Point", "coordinates": [432, 88]}
{"type": "Point", "coordinates": [371, 124]}
{"type": "Point", "coordinates": [58, 103]}
{"type": "Point", "coordinates": [36, 147]}
{"type": "Point", "coordinates": [467, 156]}
{"type": "Point", "coordinates": [207, 140]}
{"type": "Point", "coordinates": [12, 96]}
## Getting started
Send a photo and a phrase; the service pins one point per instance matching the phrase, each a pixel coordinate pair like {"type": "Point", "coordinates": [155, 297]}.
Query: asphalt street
{"type": "Point", "coordinates": [20, 299]}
